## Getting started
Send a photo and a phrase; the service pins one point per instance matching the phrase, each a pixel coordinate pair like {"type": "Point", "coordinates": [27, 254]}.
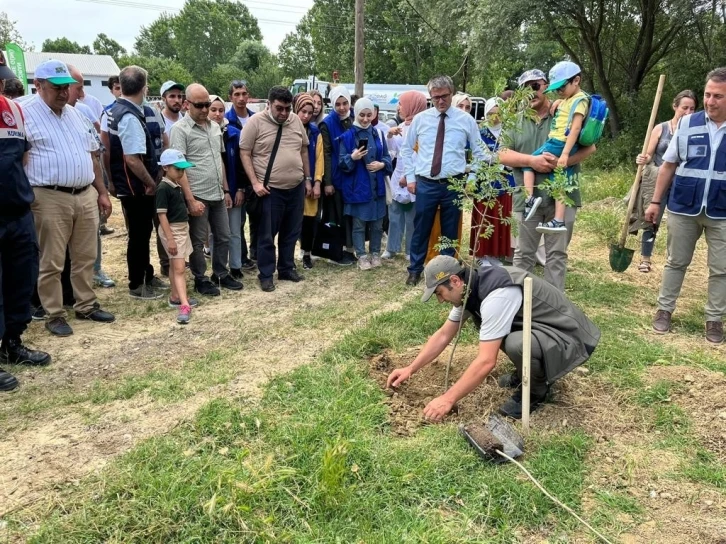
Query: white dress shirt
{"type": "Point", "coordinates": [460, 130]}
{"type": "Point", "coordinates": [60, 146]}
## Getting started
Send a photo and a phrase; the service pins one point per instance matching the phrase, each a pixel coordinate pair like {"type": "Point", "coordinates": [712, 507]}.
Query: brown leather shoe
{"type": "Point", "coordinates": [662, 322]}
{"type": "Point", "coordinates": [714, 332]}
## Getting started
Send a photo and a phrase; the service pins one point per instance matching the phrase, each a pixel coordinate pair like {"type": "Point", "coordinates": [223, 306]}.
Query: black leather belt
{"type": "Point", "coordinates": [442, 180]}
{"type": "Point", "coordinates": [69, 190]}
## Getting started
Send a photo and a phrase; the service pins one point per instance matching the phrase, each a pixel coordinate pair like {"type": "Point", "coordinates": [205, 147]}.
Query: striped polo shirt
{"type": "Point", "coordinates": [60, 146]}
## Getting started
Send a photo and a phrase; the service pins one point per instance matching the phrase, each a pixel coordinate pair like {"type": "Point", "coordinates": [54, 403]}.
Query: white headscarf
{"type": "Point", "coordinates": [362, 104]}
{"type": "Point", "coordinates": [490, 104]}
{"type": "Point", "coordinates": [336, 93]}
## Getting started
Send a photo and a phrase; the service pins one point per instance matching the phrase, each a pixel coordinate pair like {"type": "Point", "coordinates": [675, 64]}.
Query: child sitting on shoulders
{"type": "Point", "coordinates": [565, 79]}
{"type": "Point", "coordinates": [174, 229]}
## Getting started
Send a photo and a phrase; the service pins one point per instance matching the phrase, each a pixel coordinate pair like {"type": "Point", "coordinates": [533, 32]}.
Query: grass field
{"type": "Point", "coordinates": [265, 420]}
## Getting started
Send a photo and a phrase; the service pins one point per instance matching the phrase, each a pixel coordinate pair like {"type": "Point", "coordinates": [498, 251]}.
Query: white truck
{"type": "Point", "coordinates": [385, 95]}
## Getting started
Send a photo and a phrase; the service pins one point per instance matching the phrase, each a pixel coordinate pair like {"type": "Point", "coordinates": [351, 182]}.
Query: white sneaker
{"type": "Point", "coordinates": [364, 262]}
{"type": "Point", "coordinates": [387, 255]}
{"type": "Point", "coordinates": [408, 257]}
{"type": "Point", "coordinates": [375, 261]}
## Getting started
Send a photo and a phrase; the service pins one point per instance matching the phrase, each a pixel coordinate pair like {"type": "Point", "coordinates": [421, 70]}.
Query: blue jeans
{"type": "Point", "coordinates": [359, 236]}
{"type": "Point", "coordinates": [281, 216]}
{"type": "Point", "coordinates": [400, 220]}
{"type": "Point", "coordinates": [235, 237]}
{"type": "Point", "coordinates": [431, 195]}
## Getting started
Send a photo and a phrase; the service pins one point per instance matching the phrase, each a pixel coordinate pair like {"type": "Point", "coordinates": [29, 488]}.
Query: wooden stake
{"type": "Point", "coordinates": [359, 47]}
{"type": "Point", "coordinates": [526, 353]}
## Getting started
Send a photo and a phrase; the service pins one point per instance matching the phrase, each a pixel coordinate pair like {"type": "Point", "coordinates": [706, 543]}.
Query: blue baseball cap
{"type": "Point", "coordinates": [561, 73]}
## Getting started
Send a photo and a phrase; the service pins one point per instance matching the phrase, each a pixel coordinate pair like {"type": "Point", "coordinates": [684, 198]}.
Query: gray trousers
{"type": "Point", "coordinates": [215, 219]}
{"type": "Point", "coordinates": [683, 233]}
{"type": "Point", "coordinates": [513, 347]}
{"type": "Point", "coordinates": [555, 244]}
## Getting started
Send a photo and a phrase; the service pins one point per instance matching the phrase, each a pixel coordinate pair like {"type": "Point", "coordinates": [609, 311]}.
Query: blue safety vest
{"type": "Point", "coordinates": [700, 181]}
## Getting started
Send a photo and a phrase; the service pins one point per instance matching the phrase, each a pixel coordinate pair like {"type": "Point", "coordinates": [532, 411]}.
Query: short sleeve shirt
{"type": "Point", "coordinates": [170, 200]}
{"type": "Point", "coordinates": [132, 135]}
{"type": "Point", "coordinates": [560, 122]}
{"type": "Point", "coordinates": [497, 310]}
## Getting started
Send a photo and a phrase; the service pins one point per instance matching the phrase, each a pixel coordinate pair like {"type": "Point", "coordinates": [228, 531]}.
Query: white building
{"type": "Point", "coordinates": [96, 70]}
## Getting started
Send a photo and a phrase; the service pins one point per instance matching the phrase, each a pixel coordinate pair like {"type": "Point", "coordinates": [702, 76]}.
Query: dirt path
{"type": "Point", "coordinates": [90, 405]}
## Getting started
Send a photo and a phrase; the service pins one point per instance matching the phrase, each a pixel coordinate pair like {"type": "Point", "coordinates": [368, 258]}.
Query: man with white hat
{"type": "Point", "coordinates": [61, 169]}
{"type": "Point", "coordinates": [524, 139]}
{"type": "Point", "coordinates": [19, 257]}
{"type": "Point", "coordinates": [172, 95]}
{"type": "Point", "coordinates": [562, 336]}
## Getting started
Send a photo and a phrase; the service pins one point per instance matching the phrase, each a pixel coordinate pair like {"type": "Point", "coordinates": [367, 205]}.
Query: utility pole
{"type": "Point", "coordinates": [359, 47]}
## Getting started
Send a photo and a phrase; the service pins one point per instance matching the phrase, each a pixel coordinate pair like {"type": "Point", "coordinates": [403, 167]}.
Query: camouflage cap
{"type": "Point", "coordinates": [531, 75]}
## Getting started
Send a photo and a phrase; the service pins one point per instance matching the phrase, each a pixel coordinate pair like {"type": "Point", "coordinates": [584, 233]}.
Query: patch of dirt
{"type": "Point", "coordinates": [702, 394]}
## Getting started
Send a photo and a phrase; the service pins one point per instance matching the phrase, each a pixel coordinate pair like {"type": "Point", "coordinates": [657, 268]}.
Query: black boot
{"type": "Point", "coordinates": [8, 382]}
{"type": "Point", "coordinates": [13, 352]}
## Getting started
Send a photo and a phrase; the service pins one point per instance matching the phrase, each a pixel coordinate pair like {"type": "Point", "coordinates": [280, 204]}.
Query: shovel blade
{"type": "Point", "coordinates": [620, 257]}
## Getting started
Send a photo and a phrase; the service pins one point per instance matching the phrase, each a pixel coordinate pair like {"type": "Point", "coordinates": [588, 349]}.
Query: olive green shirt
{"type": "Point", "coordinates": [527, 138]}
{"type": "Point", "coordinates": [203, 146]}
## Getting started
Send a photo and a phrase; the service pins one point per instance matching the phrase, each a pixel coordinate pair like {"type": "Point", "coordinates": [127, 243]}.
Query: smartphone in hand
{"type": "Point", "coordinates": [363, 144]}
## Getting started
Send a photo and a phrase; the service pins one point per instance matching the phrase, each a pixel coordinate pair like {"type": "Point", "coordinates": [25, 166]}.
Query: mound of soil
{"type": "Point", "coordinates": [407, 402]}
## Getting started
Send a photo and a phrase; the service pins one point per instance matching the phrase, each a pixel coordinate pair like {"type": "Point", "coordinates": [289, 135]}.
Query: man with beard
{"type": "Point", "coordinates": [172, 94]}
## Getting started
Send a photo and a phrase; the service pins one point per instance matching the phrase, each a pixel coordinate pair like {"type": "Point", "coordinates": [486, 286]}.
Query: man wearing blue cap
{"type": "Point", "coordinates": [524, 139]}
{"type": "Point", "coordinates": [18, 253]}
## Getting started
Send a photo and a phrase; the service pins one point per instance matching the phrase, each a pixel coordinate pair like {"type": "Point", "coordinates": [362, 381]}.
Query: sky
{"type": "Point", "coordinates": [81, 21]}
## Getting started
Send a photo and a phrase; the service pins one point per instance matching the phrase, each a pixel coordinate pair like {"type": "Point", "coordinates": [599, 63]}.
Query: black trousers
{"type": "Point", "coordinates": [513, 346]}
{"type": "Point", "coordinates": [19, 260]}
{"type": "Point", "coordinates": [140, 211]}
{"type": "Point", "coordinates": [307, 236]}
{"type": "Point", "coordinates": [334, 208]}
{"type": "Point", "coordinates": [282, 213]}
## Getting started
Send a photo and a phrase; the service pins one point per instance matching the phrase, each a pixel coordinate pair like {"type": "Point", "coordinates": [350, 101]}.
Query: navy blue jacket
{"type": "Point", "coordinates": [356, 178]}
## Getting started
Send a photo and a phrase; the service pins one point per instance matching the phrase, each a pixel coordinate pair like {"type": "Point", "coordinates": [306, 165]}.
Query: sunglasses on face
{"type": "Point", "coordinates": [201, 105]}
{"type": "Point", "coordinates": [533, 85]}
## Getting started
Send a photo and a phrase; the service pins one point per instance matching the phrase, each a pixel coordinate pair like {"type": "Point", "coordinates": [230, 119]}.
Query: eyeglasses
{"type": "Point", "coordinates": [440, 97]}
{"type": "Point", "coordinates": [535, 86]}
{"type": "Point", "coordinates": [201, 105]}
{"type": "Point", "coordinates": [283, 108]}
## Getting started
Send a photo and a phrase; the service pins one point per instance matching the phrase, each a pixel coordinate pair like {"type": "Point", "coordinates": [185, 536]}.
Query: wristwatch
{"type": "Point", "coordinates": [225, 191]}
{"type": "Point", "coordinates": [308, 178]}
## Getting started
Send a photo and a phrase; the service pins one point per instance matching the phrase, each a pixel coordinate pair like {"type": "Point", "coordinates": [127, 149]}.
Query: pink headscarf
{"type": "Point", "coordinates": [412, 103]}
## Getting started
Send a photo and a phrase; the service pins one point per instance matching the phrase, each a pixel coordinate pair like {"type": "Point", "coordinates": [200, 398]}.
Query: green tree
{"type": "Point", "coordinates": [157, 39]}
{"type": "Point", "coordinates": [160, 70]}
{"type": "Point", "coordinates": [207, 33]}
{"type": "Point", "coordinates": [103, 45]}
{"type": "Point", "coordinates": [64, 45]}
{"type": "Point", "coordinates": [296, 53]}
{"type": "Point", "coordinates": [252, 62]}
{"type": "Point", "coordinates": [10, 34]}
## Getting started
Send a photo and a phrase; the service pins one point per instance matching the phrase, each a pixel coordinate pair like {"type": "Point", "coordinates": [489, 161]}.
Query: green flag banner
{"type": "Point", "coordinates": [16, 62]}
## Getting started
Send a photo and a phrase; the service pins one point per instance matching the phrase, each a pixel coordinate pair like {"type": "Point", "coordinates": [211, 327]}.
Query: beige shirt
{"type": "Point", "coordinates": [259, 137]}
{"type": "Point", "coordinates": [203, 146]}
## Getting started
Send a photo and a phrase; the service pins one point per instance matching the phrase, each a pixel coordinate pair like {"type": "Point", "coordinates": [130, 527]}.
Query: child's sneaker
{"type": "Point", "coordinates": [193, 303]}
{"type": "Point", "coordinates": [185, 312]}
{"type": "Point", "coordinates": [375, 261]}
{"type": "Point", "coordinates": [530, 206]}
{"type": "Point", "coordinates": [387, 255]}
{"type": "Point", "coordinates": [364, 262]}
{"type": "Point", "coordinates": [552, 227]}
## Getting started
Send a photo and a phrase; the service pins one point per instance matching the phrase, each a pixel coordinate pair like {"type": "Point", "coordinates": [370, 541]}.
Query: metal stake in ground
{"type": "Point", "coordinates": [526, 353]}
{"type": "Point", "coordinates": [620, 256]}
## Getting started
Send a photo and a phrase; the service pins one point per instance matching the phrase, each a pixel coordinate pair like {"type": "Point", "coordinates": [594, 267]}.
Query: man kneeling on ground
{"type": "Point", "coordinates": [562, 336]}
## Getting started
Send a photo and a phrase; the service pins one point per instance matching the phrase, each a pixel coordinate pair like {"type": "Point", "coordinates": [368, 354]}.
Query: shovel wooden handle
{"type": "Point", "coordinates": [639, 173]}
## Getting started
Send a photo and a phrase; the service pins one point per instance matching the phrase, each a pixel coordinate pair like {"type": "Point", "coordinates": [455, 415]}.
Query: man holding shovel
{"type": "Point", "coordinates": [695, 163]}
{"type": "Point", "coordinates": [562, 336]}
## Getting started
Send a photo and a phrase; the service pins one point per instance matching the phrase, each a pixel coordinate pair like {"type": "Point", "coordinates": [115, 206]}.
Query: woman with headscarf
{"type": "Point", "coordinates": [364, 163]}
{"type": "Point", "coordinates": [461, 101]}
{"type": "Point", "coordinates": [304, 107]}
{"type": "Point", "coordinates": [318, 106]}
{"type": "Point", "coordinates": [332, 128]}
{"type": "Point", "coordinates": [234, 172]}
{"type": "Point", "coordinates": [401, 209]}
{"type": "Point", "coordinates": [498, 244]}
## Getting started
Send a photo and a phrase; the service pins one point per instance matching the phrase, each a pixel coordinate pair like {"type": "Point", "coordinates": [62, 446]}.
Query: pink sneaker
{"type": "Point", "coordinates": [185, 313]}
